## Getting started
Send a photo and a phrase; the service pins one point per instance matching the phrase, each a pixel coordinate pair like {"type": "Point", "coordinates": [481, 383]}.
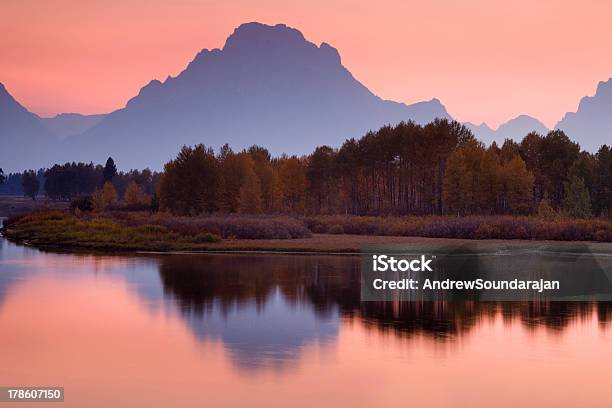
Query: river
{"type": "Point", "coordinates": [281, 330]}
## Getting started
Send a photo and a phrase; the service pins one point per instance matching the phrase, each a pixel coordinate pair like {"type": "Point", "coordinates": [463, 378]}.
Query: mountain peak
{"type": "Point", "coordinates": [4, 94]}
{"type": "Point", "coordinates": [8, 104]}
{"type": "Point", "coordinates": [604, 87]}
{"type": "Point", "coordinates": [256, 35]}
{"type": "Point", "coordinates": [268, 85]}
{"type": "Point", "coordinates": [591, 122]}
{"type": "Point", "coordinates": [515, 129]}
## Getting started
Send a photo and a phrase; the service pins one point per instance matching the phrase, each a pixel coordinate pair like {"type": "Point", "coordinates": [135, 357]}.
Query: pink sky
{"type": "Point", "coordinates": [485, 60]}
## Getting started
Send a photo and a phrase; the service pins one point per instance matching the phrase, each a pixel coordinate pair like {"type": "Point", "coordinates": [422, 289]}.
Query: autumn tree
{"type": "Point", "coordinates": [109, 195]}
{"type": "Point", "coordinates": [557, 154]}
{"type": "Point", "coordinates": [456, 183]}
{"type": "Point", "coordinates": [577, 202]}
{"type": "Point", "coordinates": [250, 191]}
{"type": "Point", "coordinates": [189, 183]}
{"type": "Point", "coordinates": [293, 184]}
{"type": "Point", "coordinates": [471, 180]}
{"type": "Point", "coordinates": [517, 187]}
{"type": "Point", "coordinates": [545, 210]}
{"type": "Point", "coordinates": [509, 150]}
{"type": "Point", "coordinates": [105, 198]}
{"type": "Point", "coordinates": [322, 182]}
{"type": "Point", "coordinates": [529, 149]}
{"type": "Point", "coordinates": [134, 195]}
{"type": "Point", "coordinates": [235, 168]}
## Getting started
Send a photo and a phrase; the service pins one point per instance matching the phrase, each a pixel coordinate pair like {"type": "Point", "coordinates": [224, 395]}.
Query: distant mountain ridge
{"type": "Point", "coordinates": [268, 85]}
{"type": "Point", "coordinates": [71, 124]}
{"type": "Point", "coordinates": [24, 141]}
{"type": "Point", "coordinates": [514, 129]}
{"type": "Point", "coordinates": [591, 124]}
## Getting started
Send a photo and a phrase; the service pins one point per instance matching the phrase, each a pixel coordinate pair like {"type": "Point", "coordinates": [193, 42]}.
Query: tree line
{"type": "Point", "coordinates": [408, 169]}
{"type": "Point", "coordinates": [70, 181]}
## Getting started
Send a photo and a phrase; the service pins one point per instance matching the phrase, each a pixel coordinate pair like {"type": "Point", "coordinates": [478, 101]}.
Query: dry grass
{"type": "Point", "coordinates": [474, 227]}
{"type": "Point", "coordinates": [143, 230]}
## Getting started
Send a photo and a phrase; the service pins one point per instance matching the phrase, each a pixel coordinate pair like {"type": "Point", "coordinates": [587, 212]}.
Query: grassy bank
{"type": "Point", "coordinates": [12, 205]}
{"type": "Point", "coordinates": [143, 231]}
{"type": "Point", "coordinates": [162, 232]}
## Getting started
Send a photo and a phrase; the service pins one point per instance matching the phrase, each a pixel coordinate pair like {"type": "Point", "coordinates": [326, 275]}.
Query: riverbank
{"type": "Point", "coordinates": [145, 232]}
{"type": "Point", "coordinates": [354, 244]}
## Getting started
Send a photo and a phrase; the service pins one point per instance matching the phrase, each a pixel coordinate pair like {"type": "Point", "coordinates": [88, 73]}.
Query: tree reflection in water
{"type": "Point", "coordinates": [331, 284]}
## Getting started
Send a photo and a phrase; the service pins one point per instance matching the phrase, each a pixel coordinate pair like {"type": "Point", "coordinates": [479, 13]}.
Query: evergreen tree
{"type": "Point", "coordinates": [30, 184]}
{"type": "Point", "coordinates": [189, 183]}
{"type": "Point", "coordinates": [110, 170]}
{"type": "Point", "coordinates": [603, 182]}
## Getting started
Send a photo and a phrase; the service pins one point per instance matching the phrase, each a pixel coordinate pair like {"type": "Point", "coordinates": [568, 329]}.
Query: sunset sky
{"type": "Point", "coordinates": [485, 60]}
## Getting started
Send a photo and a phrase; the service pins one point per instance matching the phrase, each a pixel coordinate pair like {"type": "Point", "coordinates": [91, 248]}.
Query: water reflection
{"type": "Point", "coordinates": [331, 285]}
{"type": "Point", "coordinates": [267, 309]}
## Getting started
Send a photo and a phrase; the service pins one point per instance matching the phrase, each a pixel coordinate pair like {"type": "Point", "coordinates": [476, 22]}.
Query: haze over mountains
{"type": "Point", "coordinates": [71, 124]}
{"type": "Point", "coordinates": [591, 124]}
{"type": "Point", "coordinates": [513, 129]}
{"type": "Point", "coordinates": [24, 141]}
{"type": "Point", "coordinates": [269, 86]}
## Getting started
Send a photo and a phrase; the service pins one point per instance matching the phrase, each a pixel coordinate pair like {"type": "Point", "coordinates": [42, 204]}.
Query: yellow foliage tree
{"type": "Point", "coordinates": [292, 176]}
{"type": "Point", "coordinates": [517, 186]}
{"type": "Point", "coordinates": [134, 195]}
{"type": "Point", "coordinates": [103, 199]}
{"type": "Point", "coordinates": [109, 194]}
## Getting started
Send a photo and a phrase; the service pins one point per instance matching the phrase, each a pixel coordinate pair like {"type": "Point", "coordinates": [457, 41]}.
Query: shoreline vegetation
{"type": "Point", "coordinates": [130, 231]}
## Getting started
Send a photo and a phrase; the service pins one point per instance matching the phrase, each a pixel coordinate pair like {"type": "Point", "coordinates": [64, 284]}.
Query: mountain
{"type": "Point", "coordinates": [482, 132]}
{"type": "Point", "coordinates": [24, 142]}
{"type": "Point", "coordinates": [268, 85]}
{"type": "Point", "coordinates": [591, 124]}
{"type": "Point", "coordinates": [71, 124]}
{"type": "Point", "coordinates": [514, 129]}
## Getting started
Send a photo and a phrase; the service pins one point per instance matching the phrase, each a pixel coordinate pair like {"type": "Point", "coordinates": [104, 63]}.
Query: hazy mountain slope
{"type": "Point", "coordinates": [71, 124]}
{"type": "Point", "coordinates": [514, 129]}
{"type": "Point", "coordinates": [267, 86]}
{"type": "Point", "coordinates": [591, 124]}
{"type": "Point", "coordinates": [24, 141]}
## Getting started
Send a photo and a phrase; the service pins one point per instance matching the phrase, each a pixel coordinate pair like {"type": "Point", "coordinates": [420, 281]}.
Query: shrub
{"type": "Point", "coordinates": [470, 227]}
{"type": "Point", "coordinates": [83, 203]}
{"type": "Point", "coordinates": [336, 229]}
{"type": "Point", "coordinates": [239, 226]}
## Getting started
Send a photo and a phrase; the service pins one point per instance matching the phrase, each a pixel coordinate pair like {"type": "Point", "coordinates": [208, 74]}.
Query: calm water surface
{"type": "Point", "coordinates": [261, 330]}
